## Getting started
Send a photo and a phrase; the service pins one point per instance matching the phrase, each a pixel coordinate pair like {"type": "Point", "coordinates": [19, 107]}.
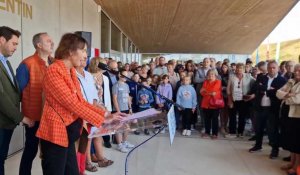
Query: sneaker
{"type": "Point", "coordinates": [214, 137]}
{"type": "Point", "coordinates": [146, 132]}
{"type": "Point", "coordinates": [128, 145]}
{"type": "Point", "coordinates": [184, 132]}
{"type": "Point", "coordinates": [136, 132]}
{"type": "Point", "coordinates": [188, 133]}
{"type": "Point", "coordinates": [231, 136]}
{"type": "Point", "coordinates": [255, 149]}
{"type": "Point", "coordinates": [223, 132]}
{"type": "Point", "coordinates": [107, 145]}
{"type": "Point", "coordinates": [163, 131]}
{"type": "Point", "coordinates": [122, 148]}
{"type": "Point", "coordinates": [253, 138]}
{"type": "Point", "coordinates": [274, 154]}
{"type": "Point", "coordinates": [240, 136]}
{"type": "Point", "coordinates": [156, 130]}
{"type": "Point", "coordinates": [205, 136]}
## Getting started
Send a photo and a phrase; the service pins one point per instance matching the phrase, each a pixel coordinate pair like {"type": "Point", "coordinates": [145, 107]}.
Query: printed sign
{"type": "Point", "coordinates": [172, 124]}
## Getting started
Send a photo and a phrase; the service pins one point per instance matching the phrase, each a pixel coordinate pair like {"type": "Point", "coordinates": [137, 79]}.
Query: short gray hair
{"type": "Point", "coordinates": [296, 66]}
{"type": "Point", "coordinates": [272, 62]}
{"type": "Point", "coordinates": [37, 38]}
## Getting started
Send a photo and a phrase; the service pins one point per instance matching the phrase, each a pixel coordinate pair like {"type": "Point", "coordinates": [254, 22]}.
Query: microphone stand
{"type": "Point", "coordinates": [168, 101]}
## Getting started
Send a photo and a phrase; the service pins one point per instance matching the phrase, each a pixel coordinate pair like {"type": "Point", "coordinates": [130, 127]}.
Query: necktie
{"type": "Point", "coordinates": [11, 73]}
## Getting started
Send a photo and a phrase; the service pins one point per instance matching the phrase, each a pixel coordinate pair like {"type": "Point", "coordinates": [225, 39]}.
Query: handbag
{"type": "Point", "coordinates": [216, 103]}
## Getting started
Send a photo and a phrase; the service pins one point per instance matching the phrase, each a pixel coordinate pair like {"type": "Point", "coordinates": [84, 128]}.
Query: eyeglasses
{"type": "Point", "coordinates": [239, 83]}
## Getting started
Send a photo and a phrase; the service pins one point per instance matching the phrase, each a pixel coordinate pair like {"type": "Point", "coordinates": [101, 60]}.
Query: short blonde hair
{"type": "Point", "coordinates": [212, 71]}
{"type": "Point", "coordinates": [93, 66]}
{"type": "Point", "coordinates": [242, 65]}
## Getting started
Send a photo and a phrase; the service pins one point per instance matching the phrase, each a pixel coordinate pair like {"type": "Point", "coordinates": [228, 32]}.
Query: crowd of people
{"type": "Point", "coordinates": [63, 98]}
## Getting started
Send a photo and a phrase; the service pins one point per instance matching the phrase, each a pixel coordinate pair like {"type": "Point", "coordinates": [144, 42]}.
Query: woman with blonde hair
{"type": "Point", "coordinates": [102, 86]}
{"type": "Point", "coordinates": [211, 89]}
{"type": "Point", "coordinates": [290, 116]}
{"type": "Point", "coordinates": [238, 89]}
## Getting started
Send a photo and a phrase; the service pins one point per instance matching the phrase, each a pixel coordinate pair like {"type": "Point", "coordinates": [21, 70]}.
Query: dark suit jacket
{"type": "Point", "coordinates": [10, 115]}
{"type": "Point", "coordinates": [261, 86]}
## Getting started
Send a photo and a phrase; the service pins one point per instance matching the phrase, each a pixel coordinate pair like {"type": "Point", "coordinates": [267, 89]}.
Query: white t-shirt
{"type": "Point", "coordinates": [237, 89]}
{"type": "Point", "coordinates": [107, 97]}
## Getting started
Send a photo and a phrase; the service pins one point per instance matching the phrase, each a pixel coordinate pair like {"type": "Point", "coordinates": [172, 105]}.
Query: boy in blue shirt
{"type": "Point", "coordinates": [187, 98]}
{"type": "Point", "coordinates": [145, 99]}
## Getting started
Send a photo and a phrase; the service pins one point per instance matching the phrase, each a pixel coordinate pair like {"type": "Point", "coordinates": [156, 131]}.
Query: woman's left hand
{"type": "Point", "coordinates": [116, 116]}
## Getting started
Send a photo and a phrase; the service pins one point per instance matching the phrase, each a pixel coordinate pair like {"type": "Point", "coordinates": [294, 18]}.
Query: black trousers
{"type": "Point", "coordinates": [58, 160]}
{"type": "Point", "coordinates": [273, 129]}
{"type": "Point", "coordinates": [241, 109]}
{"type": "Point", "coordinates": [106, 138]}
{"type": "Point", "coordinates": [261, 124]}
{"type": "Point", "coordinates": [30, 149]}
{"type": "Point", "coordinates": [5, 137]}
{"type": "Point", "coordinates": [211, 119]}
{"type": "Point", "coordinates": [187, 118]}
{"type": "Point", "coordinates": [267, 119]}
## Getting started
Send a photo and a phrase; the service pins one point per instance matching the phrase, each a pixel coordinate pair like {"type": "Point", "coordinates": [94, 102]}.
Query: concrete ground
{"type": "Point", "coordinates": [187, 156]}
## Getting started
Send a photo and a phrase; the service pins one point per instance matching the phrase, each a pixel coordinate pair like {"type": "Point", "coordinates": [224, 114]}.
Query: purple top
{"type": "Point", "coordinates": [165, 90]}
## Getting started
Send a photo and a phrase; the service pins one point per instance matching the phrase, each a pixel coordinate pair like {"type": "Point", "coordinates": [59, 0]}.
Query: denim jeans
{"type": "Point", "coordinates": [30, 149]}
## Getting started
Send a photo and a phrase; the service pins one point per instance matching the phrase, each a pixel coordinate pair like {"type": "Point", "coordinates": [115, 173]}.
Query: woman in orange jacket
{"type": "Point", "coordinates": [211, 89]}
{"type": "Point", "coordinates": [65, 108]}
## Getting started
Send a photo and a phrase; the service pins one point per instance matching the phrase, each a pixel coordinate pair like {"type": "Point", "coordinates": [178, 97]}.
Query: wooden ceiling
{"type": "Point", "coordinates": [197, 26]}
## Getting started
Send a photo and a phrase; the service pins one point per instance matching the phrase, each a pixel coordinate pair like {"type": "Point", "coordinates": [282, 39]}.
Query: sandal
{"type": "Point", "coordinates": [90, 167]}
{"type": "Point", "coordinates": [94, 158]}
{"type": "Point", "coordinates": [105, 163]}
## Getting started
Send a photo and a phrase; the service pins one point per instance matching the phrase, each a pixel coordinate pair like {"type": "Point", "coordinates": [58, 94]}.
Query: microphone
{"type": "Point", "coordinates": [104, 66]}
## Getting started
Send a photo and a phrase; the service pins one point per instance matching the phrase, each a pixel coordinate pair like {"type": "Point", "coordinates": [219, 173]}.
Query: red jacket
{"type": "Point", "coordinates": [210, 87]}
{"type": "Point", "coordinates": [32, 103]}
{"type": "Point", "coordinates": [64, 104]}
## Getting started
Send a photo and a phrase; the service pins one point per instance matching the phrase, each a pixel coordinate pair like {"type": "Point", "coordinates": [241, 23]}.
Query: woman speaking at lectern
{"type": "Point", "coordinates": [65, 109]}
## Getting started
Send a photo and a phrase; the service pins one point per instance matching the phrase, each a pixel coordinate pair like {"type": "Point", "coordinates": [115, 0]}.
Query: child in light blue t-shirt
{"type": "Point", "coordinates": [187, 98]}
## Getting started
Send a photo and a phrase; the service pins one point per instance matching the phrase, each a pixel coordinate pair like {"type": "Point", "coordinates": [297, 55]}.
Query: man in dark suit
{"type": "Point", "coordinates": [10, 115]}
{"type": "Point", "coordinates": [268, 105]}
{"type": "Point", "coordinates": [113, 79]}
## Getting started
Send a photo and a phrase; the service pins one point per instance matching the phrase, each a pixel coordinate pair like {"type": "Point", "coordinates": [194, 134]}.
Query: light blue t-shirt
{"type": "Point", "coordinates": [186, 96]}
{"type": "Point", "coordinates": [122, 91]}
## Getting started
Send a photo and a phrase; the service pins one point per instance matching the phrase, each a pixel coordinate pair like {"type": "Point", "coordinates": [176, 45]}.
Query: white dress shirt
{"type": "Point", "coordinates": [266, 101]}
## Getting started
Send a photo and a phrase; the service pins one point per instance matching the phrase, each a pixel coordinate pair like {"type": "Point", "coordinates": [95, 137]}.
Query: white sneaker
{"type": "Point", "coordinates": [122, 148]}
{"type": "Point", "coordinates": [188, 133]}
{"type": "Point", "coordinates": [184, 132]}
{"type": "Point", "coordinates": [231, 136]}
{"type": "Point", "coordinates": [128, 145]}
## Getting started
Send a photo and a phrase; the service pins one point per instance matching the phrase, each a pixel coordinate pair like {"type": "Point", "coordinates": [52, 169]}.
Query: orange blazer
{"type": "Point", "coordinates": [64, 104]}
{"type": "Point", "coordinates": [210, 87]}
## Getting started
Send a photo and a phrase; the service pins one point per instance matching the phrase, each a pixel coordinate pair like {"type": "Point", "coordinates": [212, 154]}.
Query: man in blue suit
{"type": "Point", "coordinates": [268, 105]}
